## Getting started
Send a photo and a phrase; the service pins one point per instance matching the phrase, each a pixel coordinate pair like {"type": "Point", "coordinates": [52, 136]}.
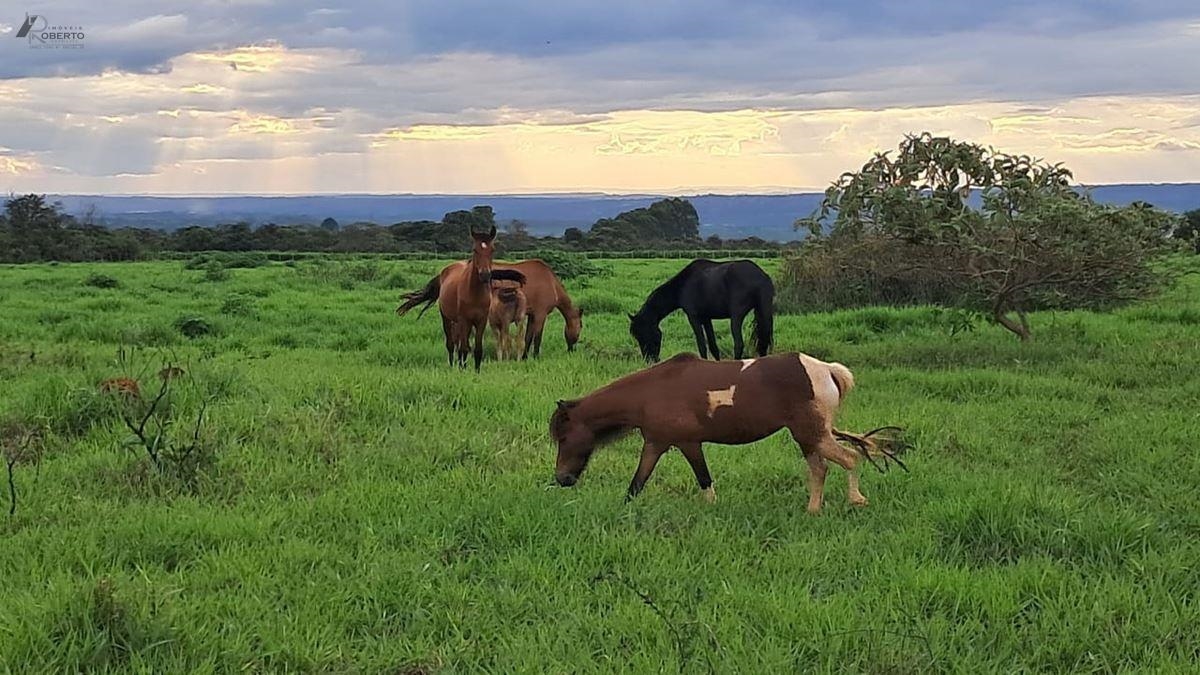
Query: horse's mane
{"type": "Point", "coordinates": [603, 436]}
{"type": "Point", "coordinates": [666, 295]}
{"type": "Point", "coordinates": [558, 422]}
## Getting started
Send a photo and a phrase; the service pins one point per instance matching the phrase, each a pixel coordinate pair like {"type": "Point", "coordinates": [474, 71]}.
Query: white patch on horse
{"type": "Point", "coordinates": [825, 390]}
{"type": "Point", "coordinates": [720, 397]}
{"type": "Point", "coordinates": [746, 363]}
{"type": "Point", "coordinates": [483, 245]}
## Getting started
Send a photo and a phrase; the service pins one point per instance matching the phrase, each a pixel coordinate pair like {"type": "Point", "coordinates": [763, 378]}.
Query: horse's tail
{"type": "Point", "coordinates": [427, 295]}
{"type": "Point", "coordinates": [764, 321]}
{"type": "Point", "coordinates": [843, 378]}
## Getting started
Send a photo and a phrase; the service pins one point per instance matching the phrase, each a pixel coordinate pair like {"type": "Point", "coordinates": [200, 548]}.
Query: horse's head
{"type": "Point", "coordinates": [482, 252]}
{"type": "Point", "coordinates": [645, 330]}
{"type": "Point", "coordinates": [573, 328]}
{"type": "Point", "coordinates": [575, 442]}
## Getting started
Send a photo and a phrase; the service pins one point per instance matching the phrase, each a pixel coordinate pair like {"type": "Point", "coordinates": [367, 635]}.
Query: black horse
{"type": "Point", "coordinates": [708, 290]}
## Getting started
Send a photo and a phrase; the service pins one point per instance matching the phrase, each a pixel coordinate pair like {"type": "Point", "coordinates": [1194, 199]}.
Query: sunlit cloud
{"type": "Point", "coordinates": [739, 96]}
{"type": "Point", "coordinates": [202, 88]}
{"type": "Point", "coordinates": [256, 59]}
{"type": "Point", "coordinates": [16, 166]}
{"type": "Point", "coordinates": [261, 124]}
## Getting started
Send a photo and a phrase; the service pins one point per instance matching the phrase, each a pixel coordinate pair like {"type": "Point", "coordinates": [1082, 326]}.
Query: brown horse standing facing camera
{"type": "Point", "coordinates": [508, 308]}
{"type": "Point", "coordinates": [686, 401]}
{"type": "Point", "coordinates": [463, 291]}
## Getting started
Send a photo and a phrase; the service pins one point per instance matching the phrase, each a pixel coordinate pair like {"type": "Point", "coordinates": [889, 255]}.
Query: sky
{"type": "Point", "coordinates": [529, 96]}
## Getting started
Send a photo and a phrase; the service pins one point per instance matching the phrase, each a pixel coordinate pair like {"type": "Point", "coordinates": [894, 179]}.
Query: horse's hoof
{"type": "Point", "coordinates": [709, 495]}
{"type": "Point", "coordinates": [861, 502]}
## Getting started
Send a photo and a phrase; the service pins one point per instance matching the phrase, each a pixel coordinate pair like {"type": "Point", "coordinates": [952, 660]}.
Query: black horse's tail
{"type": "Point", "coordinates": [764, 320]}
{"type": "Point", "coordinates": [427, 295]}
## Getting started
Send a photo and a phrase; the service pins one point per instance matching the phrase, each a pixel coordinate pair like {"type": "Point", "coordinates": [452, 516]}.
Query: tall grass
{"type": "Point", "coordinates": [372, 510]}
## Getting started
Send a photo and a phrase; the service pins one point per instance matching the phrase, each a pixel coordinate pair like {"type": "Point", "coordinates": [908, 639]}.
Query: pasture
{"type": "Point", "coordinates": [362, 507]}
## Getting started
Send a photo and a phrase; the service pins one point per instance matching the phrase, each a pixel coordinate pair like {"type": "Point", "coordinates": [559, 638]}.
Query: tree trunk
{"type": "Point", "coordinates": [1020, 328]}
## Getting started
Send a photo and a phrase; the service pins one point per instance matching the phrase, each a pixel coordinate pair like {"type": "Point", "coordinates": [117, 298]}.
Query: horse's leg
{"type": "Point", "coordinates": [650, 454]}
{"type": "Point", "coordinates": [534, 336]}
{"type": "Point", "coordinates": [698, 329]}
{"type": "Point", "coordinates": [500, 336]}
{"type": "Point", "coordinates": [448, 330]}
{"type": "Point", "coordinates": [735, 325]}
{"type": "Point", "coordinates": [463, 341]}
{"type": "Point", "coordinates": [833, 452]}
{"type": "Point", "coordinates": [712, 339]}
{"type": "Point", "coordinates": [816, 481]}
{"type": "Point", "coordinates": [478, 344]}
{"type": "Point", "coordinates": [517, 346]}
{"type": "Point", "coordinates": [695, 457]}
{"type": "Point", "coordinates": [811, 447]}
{"type": "Point", "coordinates": [528, 336]}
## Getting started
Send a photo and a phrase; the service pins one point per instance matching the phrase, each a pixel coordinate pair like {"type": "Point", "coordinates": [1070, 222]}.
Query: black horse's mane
{"type": "Point", "coordinates": [665, 298]}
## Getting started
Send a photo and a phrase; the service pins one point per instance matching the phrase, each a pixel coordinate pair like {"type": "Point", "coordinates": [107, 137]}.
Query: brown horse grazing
{"type": "Point", "coordinates": [544, 293]}
{"type": "Point", "coordinates": [508, 307]}
{"type": "Point", "coordinates": [464, 296]}
{"type": "Point", "coordinates": [686, 401]}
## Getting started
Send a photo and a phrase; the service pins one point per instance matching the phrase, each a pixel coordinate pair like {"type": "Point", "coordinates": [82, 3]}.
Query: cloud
{"type": "Point", "coordinates": [164, 88]}
{"type": "Point", "coordinates": [16, 166]}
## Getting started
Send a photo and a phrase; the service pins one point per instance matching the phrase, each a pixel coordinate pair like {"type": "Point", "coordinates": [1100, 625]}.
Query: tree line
{"type": "Point", "coordinates": [33, 229]}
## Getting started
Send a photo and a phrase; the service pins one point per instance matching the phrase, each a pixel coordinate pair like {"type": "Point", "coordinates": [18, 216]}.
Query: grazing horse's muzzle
{"type": "Point", "coordinates": [566, 479]}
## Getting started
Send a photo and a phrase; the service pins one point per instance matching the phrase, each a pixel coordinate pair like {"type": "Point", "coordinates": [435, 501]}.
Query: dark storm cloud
{"type": "Point", "coordinates": [143, 36]}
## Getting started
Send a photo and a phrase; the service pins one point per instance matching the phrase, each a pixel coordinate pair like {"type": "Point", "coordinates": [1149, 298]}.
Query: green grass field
{"type": "Point", "coordinates": [364, 508]}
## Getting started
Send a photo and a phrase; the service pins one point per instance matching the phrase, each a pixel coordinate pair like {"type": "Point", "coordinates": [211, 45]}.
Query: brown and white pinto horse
{"type": "Point", "coordinates": [687, 401]}
{"type": "Point", "coordinates": [463, 291]}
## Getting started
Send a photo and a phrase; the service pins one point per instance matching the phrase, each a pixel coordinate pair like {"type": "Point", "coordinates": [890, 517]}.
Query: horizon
{"type": "Point", "coordinates": [699, 192]}
{"type": "Point", "coordinates": [712, 97]}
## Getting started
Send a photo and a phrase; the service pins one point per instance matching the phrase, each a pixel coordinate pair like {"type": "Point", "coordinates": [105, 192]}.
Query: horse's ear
{"type": "Point", "coordinates": [631, 317]}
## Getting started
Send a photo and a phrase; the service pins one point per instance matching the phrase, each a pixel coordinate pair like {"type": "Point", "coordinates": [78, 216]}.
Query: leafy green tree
{"type": "Point", "coordinates": [1189, 229]}
{"type": "Point", "coordinates": [614, 234]}
{"type": "Point", "coordinates": [366, 238]}
{"type": "Point", "coordinates": [428, 235]}
{"type": "Point", "coordinates": [1033, 241]}
{"type": "Point", "coordinates": [330, 225]}
{"type": "Point", "coordinates": [675, 219]}
{"type": "Point", "coordinates": [478, 219]}
{"type": "Point", "coordinates": [38, 230]}
{"type": "Point", "coordinates": [193, 238]}
{"type": "Point", "coordinates": [669, 222]}
{"type": "Point", "coordinates": [516, 237]}
{"type": "Point", "coordinates": [573, 236]}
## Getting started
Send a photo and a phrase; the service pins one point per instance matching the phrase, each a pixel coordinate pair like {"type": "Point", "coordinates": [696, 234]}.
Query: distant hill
{"type": "Point", "coordinates": [729, 216]}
